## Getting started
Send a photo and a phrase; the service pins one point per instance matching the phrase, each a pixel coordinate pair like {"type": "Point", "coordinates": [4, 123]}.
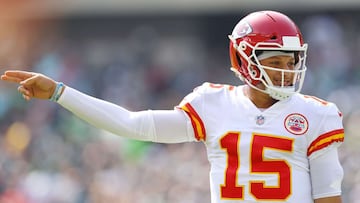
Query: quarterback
{"type": "Point", "coordinates": [266, 142]}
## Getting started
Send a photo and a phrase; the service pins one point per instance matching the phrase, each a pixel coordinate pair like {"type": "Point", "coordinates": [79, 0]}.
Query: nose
{"type": "Point", "coordinates": [286, 67]}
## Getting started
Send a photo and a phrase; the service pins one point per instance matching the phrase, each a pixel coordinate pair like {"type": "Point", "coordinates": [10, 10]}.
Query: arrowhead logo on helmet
{"type": "Point", "coordinates": [243, 29]}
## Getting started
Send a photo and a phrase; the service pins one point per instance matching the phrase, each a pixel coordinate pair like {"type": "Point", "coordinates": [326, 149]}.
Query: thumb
{"type": "Point", "coordinates": [29, 81]}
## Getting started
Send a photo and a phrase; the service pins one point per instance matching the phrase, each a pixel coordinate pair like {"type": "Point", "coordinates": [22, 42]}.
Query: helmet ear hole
{"type": "Point", "coordinates": [254, 72]}
{"type": "Point", "coordinates": [243, 46]}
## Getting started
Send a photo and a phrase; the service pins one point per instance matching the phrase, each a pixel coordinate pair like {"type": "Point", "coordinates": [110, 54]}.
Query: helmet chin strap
{"type": "Point", "coordinates": [278, 93]}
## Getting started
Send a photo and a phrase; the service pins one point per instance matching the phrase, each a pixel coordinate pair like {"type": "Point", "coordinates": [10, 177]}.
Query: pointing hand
{"type": "Point", "coordinates": [32, 85]}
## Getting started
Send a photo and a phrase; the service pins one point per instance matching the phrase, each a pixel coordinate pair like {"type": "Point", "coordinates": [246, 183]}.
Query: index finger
{"type": "Point", "coordinates": [15, 76]}
{"type": "Point", "coordinates": [22, 75]}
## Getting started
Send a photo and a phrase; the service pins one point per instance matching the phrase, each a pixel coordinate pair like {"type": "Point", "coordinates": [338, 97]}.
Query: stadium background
{"type": "Point", "coordinates": [146, 55]}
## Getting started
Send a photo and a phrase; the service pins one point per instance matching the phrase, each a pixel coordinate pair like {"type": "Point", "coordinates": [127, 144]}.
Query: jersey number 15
{"type": "Point", "coordinates": [258, 165]}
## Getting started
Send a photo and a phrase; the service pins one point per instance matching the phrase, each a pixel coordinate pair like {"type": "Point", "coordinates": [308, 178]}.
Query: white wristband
{"type": "Point", "coordinates": [57, 93]}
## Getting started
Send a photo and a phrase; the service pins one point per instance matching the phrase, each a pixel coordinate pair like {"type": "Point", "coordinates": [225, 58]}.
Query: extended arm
{"type": "Point", "coordinates": [168, 126]}
{"type": "Point", "coordinates": [165, 126]}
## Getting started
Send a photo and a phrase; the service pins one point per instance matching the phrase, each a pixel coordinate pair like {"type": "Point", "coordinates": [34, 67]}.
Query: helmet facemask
{"type": "Point", "coordinates": [257, 72]}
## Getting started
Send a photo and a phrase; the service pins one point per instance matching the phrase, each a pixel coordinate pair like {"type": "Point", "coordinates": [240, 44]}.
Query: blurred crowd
{"type": "Point", "coordinates": [49, 156]}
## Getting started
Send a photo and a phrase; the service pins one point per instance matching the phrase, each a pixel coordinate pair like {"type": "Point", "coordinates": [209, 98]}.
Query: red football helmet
{"type": "Point", "coordinates": [261, 32]}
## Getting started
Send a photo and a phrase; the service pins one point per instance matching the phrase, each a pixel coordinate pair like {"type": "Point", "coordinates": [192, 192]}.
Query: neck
{"type": "Point", "coordinates": [260, 99]}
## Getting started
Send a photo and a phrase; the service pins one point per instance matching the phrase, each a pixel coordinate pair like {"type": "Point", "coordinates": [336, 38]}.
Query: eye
{"type": "Point", "coordinates": [275, 63]}
{"type": "Point", "coordinates": [291, 64]}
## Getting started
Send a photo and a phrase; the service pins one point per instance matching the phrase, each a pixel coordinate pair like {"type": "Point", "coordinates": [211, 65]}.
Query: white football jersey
{"type": "Point", "coordinates": [261, 156]}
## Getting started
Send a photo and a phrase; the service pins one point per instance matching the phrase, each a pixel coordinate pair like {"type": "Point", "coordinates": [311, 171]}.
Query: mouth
{"type": "Point", "coordinates": [280, 84]}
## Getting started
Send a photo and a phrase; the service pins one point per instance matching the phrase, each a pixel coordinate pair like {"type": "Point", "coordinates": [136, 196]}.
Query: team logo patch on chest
{"type": "Point", "coordinates": [296, 124]}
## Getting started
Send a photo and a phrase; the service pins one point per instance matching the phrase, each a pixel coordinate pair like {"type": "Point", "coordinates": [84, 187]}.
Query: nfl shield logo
{"type": "Point", "coordinates": [260, 120]}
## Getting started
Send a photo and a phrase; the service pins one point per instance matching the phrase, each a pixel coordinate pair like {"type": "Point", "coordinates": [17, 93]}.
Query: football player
{"type": "Point", "coordinates": [266, 142]}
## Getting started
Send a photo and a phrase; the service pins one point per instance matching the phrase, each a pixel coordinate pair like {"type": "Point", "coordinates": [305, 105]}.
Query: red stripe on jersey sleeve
{"type": "Point", "coordinates": [197, 123]}
{"type": "Point", "coordinates": [325, 140]}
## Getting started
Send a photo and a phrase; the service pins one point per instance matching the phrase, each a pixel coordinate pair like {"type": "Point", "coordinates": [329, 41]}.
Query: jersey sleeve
{"type": "Point", "coordinates": [325, 169]}
{"type": "Point", "coordinates": [330, 133]}
{"type": "Point", "coordinates": [193, 105]}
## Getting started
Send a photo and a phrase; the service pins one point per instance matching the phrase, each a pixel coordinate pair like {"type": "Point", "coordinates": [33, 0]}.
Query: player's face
{"type": "Point", "coordinates": [283, 63]}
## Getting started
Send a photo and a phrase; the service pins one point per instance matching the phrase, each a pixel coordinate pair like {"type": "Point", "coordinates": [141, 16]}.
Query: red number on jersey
{"type": "Point", "coordinates": [323, 102]}
{"type": "Point", "coordinates": [230, 189]}
{"type": "Point", "coordinates": [230, 87]}
{"type": "Point", "coordinates": [259, 165]}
